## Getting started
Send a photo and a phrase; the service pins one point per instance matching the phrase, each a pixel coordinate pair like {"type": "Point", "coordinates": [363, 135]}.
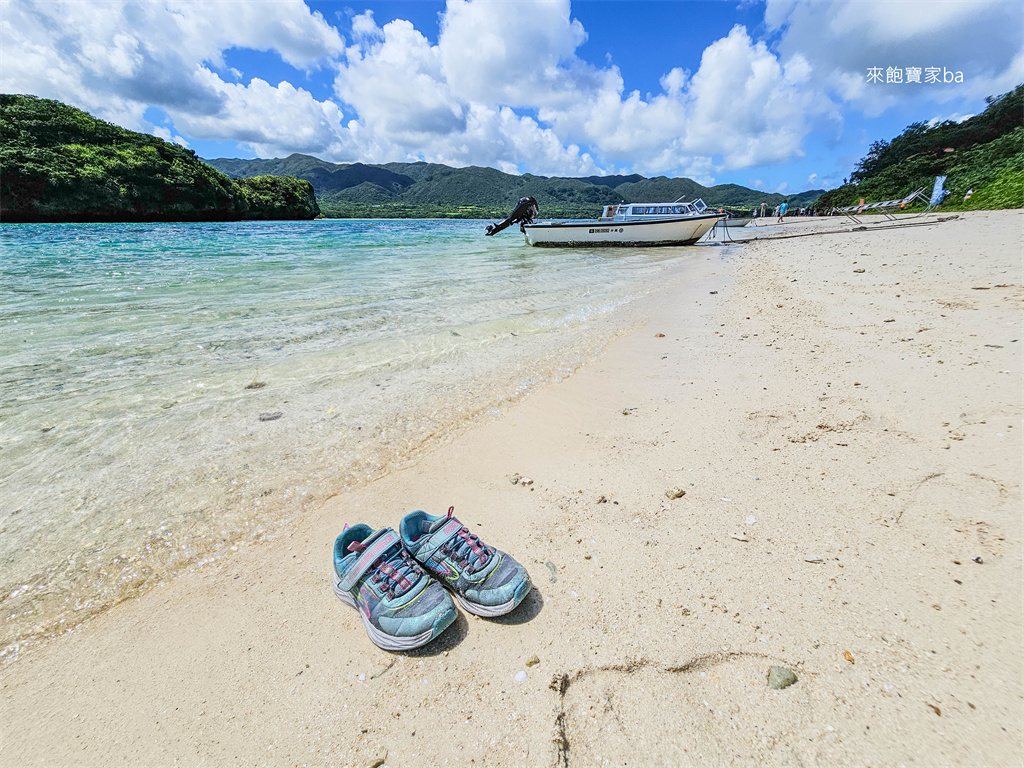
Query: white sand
{"type": "Point", "coordinates": [848, 441]}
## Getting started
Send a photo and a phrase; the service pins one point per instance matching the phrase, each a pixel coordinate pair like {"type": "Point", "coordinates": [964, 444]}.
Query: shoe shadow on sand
{"type": "Point", "coordinates": [447, 640]}
{"type": "Point", "coordinates": [456, 633]}
{"type": "Point", "coordinates": [532, 605]}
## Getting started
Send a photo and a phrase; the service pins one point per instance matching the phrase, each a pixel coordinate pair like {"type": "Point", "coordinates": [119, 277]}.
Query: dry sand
{"type": "Point", "coordinates": [844, 412]}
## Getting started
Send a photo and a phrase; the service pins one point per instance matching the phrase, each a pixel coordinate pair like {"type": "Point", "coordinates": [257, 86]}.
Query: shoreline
{"type": "Point", "coordinates": [838, 415]}
{"type": "Point", "coordinates": [208, 477]}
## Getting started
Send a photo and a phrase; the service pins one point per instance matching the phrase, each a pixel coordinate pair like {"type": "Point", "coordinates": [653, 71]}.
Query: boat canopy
{"type": "Point", "coordinates": [646, 210]}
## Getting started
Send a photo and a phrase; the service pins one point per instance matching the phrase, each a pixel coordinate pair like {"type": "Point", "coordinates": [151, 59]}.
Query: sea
{"type": "Point", "coordinates": [171, 392]}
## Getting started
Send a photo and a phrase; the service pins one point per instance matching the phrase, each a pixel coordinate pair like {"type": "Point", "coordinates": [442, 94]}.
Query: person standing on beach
{"type": "Point", "coordinates": [782, 210]}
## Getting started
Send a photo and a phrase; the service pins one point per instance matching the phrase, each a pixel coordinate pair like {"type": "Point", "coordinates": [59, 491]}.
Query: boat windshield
{"type": "Point", "coordinates": [663, 209]}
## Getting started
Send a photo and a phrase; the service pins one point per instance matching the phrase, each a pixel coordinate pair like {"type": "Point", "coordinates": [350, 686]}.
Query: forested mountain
{"type": "Point", "coordinates": [431, 189]}
{"type": "Point", "coordinates": [58, 163]}
{"type": "Point", "coordinates": [984, 154]}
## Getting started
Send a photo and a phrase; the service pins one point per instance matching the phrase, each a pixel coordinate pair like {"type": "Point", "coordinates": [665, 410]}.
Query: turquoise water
{"type": "Point", "coordinates": [169, 391]}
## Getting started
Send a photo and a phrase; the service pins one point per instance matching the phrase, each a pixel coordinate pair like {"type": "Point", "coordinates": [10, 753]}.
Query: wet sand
{"type": "Point", "coordinates": [844, 412]}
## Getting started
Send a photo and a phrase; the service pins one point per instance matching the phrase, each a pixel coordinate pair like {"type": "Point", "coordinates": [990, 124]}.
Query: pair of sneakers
{"type": "Point", "coordinates": [395, 580]}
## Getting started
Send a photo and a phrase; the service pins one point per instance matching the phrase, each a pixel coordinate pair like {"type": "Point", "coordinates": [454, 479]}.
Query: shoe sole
{"type": "Point", "coordinates": [393, 642]}
{"type": "Point", "coordinates": [490, 611]}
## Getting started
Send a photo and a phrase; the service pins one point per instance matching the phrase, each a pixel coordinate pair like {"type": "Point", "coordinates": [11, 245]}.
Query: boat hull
{"type": "Point", "coordinates": [684, 230]}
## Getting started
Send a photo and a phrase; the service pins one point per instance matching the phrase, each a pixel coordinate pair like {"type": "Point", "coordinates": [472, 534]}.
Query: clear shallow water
{"type": "Point", "coordinates": [136, 362]}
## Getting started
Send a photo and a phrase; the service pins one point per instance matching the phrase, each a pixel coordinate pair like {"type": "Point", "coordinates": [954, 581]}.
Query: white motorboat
{"type": "Point", "coordinates": [626, 224]}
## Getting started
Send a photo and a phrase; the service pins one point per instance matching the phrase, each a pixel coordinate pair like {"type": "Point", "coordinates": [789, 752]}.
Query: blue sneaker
{"type": "Point", "coordinates": [400, 605]}
{"type": "Point", "coordinates": [484, 580]}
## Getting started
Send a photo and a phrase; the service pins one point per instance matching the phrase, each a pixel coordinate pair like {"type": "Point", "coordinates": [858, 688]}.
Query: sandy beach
{"type": "Point", "coordinates": [844, 413]}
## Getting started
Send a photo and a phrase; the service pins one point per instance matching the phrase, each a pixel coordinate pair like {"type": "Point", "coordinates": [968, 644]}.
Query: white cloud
{"type": "Point", "coordinates": [163, 133]}
{"type": "Point", "coordinates": [811, 180]}
{"type": "Point", "coordinates": [203, 31]}
{"type": "Point", "coordinates": [498, 88]}
{"type": "Point", "coordinates": [749, 106]}
{"type": "Point", "coordinates": [674, 81]}
{"type": "Point", "coordinates": [956, 117]}
{"type": "Point", "coordinates": [743, 105]}
{"type": "Point", "coordinates": [501, 138]}
{"type": "Point", "coordinates": [117, 58]}
{"type": "Point", "coordinates": [431, 102]}
{"type": "Point", "coordinates": [841, 39]}
{"type": "Point", "coordinates": [521, 55]}
{"type": "Point", "coordinates": [701, 170]}
{"type": "Point", "coordinates": [393, 79]}
{"type": "Point", "coordinates": [271, 119]}
{"type": "Point", "coordinates": [502, 86]}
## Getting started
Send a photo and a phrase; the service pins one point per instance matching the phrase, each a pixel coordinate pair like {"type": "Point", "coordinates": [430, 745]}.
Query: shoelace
{"type": "Point", "coordinates": [464, 545]}
{"type": "Point", "coordinates": [395, 573]}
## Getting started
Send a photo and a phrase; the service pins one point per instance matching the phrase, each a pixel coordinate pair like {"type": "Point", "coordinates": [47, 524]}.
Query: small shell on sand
{"type": "Point", "coordinates": [675, 493]}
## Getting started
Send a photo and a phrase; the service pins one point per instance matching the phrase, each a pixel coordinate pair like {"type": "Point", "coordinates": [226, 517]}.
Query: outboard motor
{"type": "Point", "coordinates": [525, 210]}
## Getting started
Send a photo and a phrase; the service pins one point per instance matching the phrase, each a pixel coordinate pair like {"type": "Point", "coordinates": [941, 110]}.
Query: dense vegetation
{"type": "Point", "coordinates": [984, 154]}
{"type": "Point", "coordinates": [275, 197]}
{"type": "Point", "coordinates": [430, 190]}
{"type": "Point", "coordinates": [58, 163]}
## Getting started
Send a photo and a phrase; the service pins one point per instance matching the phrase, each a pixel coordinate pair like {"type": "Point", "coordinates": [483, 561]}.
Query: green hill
{"type": "Point", "coordinates": [984, 154]}
{"type": "Point", "coordinates": [433, 190]}
{"type": "Point", "coordinates": [58, 163]}
{"type": "Point", "coordinates": [416, 171]}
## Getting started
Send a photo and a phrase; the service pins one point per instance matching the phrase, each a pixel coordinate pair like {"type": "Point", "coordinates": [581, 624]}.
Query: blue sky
{"type": "Point", "coordinates": [781, 95]}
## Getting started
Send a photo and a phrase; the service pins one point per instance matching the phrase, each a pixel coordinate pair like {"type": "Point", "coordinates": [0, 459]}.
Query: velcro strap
{"type": "Point", "coordinates": [437, 539]}
{"type": "Point", "coordinates": [370, 555]}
